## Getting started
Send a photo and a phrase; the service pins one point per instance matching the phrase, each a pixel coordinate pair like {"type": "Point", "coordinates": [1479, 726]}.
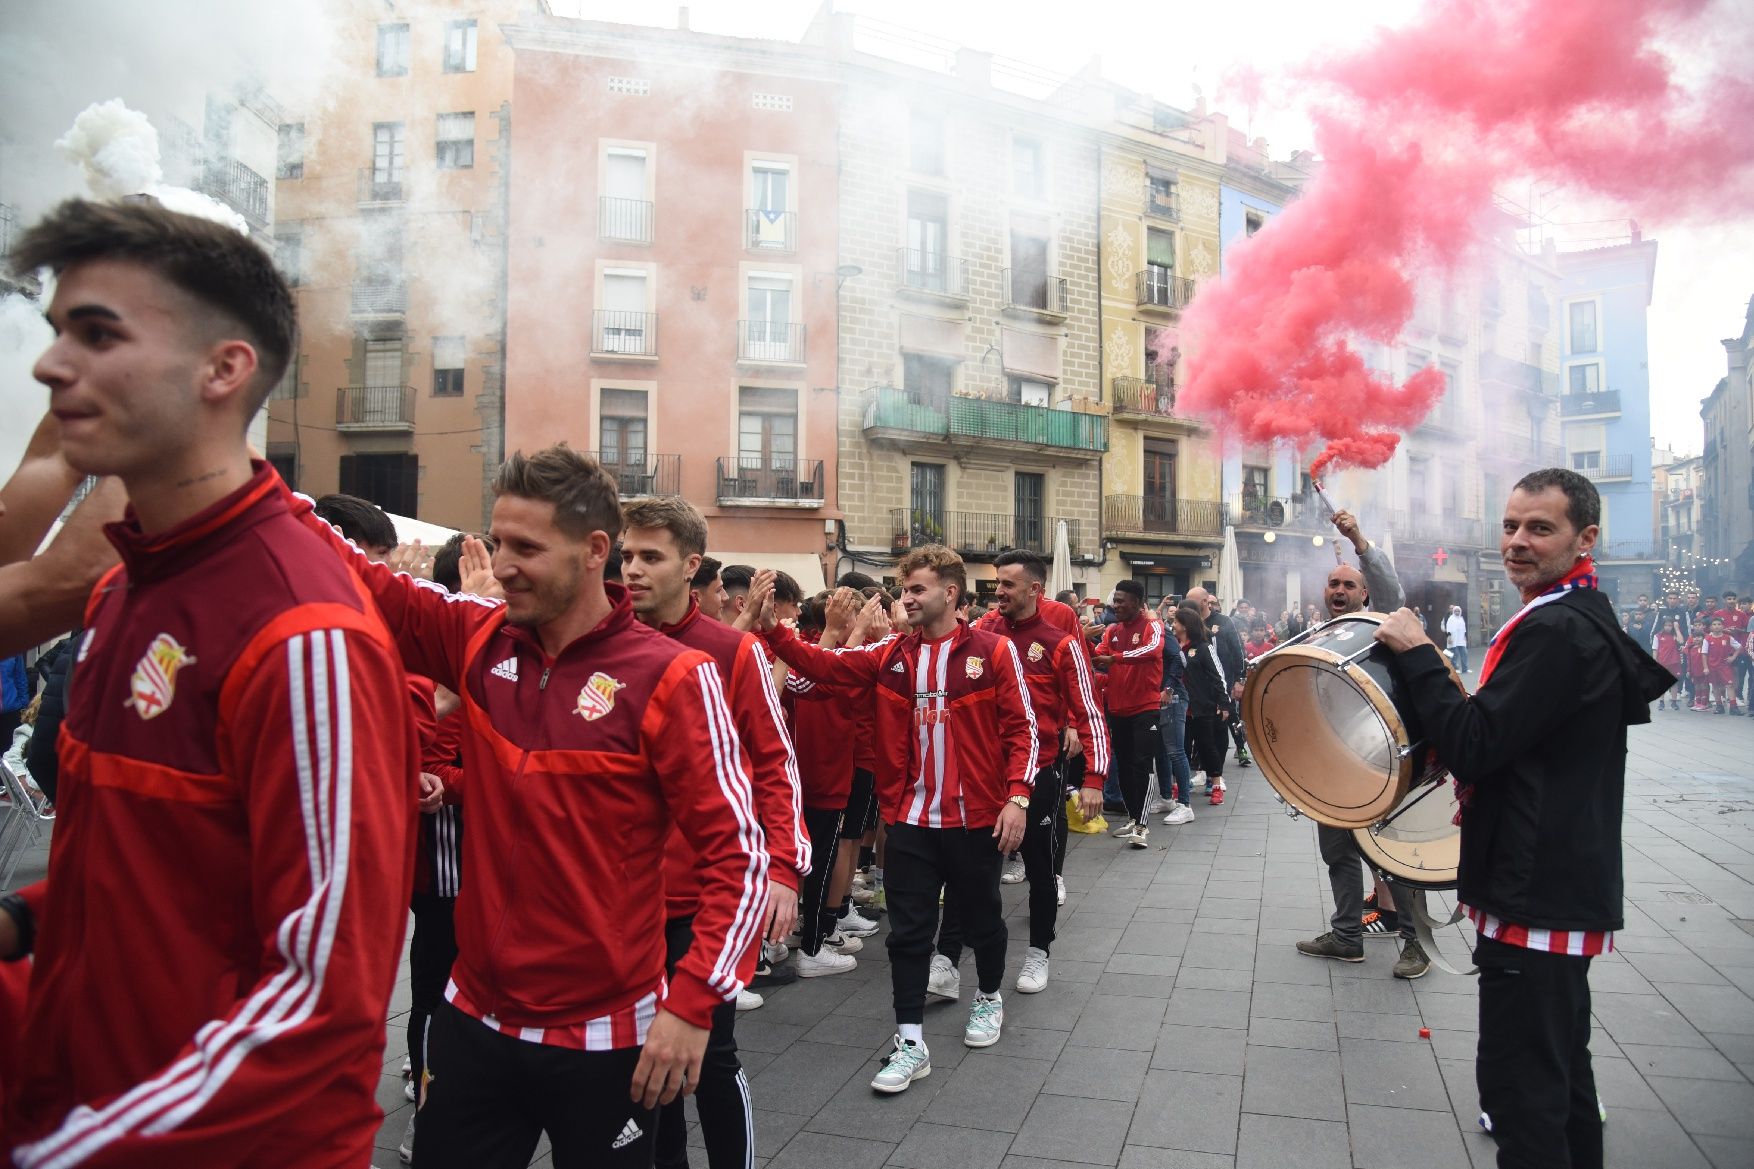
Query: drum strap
{"type": "Point", "coordinates": [1423, 924]}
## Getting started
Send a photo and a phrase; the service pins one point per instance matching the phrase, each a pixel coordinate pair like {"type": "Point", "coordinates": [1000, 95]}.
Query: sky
{"type": "Point", "coordinates": [1177, 49]}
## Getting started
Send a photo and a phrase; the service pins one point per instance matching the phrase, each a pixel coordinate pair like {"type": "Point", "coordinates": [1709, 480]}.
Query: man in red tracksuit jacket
{"type": "Point", "coordinates": [587, 736]}
{"type": "Point", "coordinates": [661, 547]}
{"type": "Point", "coordinates": [217, 939]}
{"type": "Point", "coordinates": [957, 744]}
{"type": "Point", "coordinates": [1062, 691]}
{"type": "Point", "coordinates": [1132, 650]}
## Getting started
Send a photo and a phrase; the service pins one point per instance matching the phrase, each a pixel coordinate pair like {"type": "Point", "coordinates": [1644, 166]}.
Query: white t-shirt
{"type": "Point", "coordinates": [1457, 627]}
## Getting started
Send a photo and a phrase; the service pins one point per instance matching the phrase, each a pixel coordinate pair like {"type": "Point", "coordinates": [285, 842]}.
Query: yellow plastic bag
{"type": "Point", "coordinates": [1075, 821]}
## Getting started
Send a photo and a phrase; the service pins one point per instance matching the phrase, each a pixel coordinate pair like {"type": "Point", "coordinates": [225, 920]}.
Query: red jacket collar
{"type": "Point", "coordinates": [165, 552]}
{"type": "Point", "coordinates": [620, 618]}
{"type": "Point", "coordinates": [688, 618]}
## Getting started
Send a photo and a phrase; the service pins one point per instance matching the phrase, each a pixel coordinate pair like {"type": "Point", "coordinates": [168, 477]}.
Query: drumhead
{"type": "Point", "coordinates": [1418, 843]}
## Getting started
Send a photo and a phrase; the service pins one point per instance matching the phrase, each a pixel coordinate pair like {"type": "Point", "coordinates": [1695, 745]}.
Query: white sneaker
{"type": "Point", "coordinates": [908, 1062]}
{"type": "Point", "coordinates": [1059, 889]}
{"type": "Point", "coordinates": [1156, 804]}
{"type": "Point", "coordinates": [853, 925]}
{"type": "Point", "coordinates": [1179, 813]}
{"type": "Point", "coordinates": [405, 1150]}
{"type": "Point", "coordinates": [1125, 829]}
{"type": "Point", "coordinates": [1034, 975]}
{"type": "Point", "coordinates": [1138, 837]}
{"type": "Point", "coordinates": [944, 981]}
{"type": "Point", "coordinates": [825, 962]}
{"type": "Point", "coordinates": [748, 1000]}
{"type": "Point", "coordinates": [985, 1018]}
{"type": "Point", "coordinates": [1013, 874]}
{"type": "Point", "coordinates": [1199, 780]}
{"type": "Point", "coordinates": [844, 943]}
{"type": "Point", "coordinates": [410, 1091]}
{"type": "Point", "coordinates": [774, 952]}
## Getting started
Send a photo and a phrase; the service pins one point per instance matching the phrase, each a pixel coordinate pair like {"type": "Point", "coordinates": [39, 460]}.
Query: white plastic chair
{"type": "Point", "coordinates": [23, 828]}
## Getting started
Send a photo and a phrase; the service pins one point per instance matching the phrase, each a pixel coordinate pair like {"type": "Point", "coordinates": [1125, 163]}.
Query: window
{"type": "Point", "coordinates": [1161, 196]}
{"type": "Point", "coordinates": [928, 235]}
{"type": "Point", "coordinates": [389, 159]}
{"type": "Point", "coordinates": [926, 500]}
{"type": "Point", "coordinates": [1452, 489]}
{"type": "Point", "coordinates": [1418, 485]}
{"type": "Point", "coordinates": [625, 212]}
{"type": "Point", "coordinates": [289, 255]}
{"type": "Point", "coordinates": [1586, 460]}
{"type": "Point", "coordinates": [1028, 168]}
{"type": "Point", "coordinates": [1582, 326]}
{"type": "Point", "coordinates": [283, 457]}
{"type": "Point", "coordinates": [927, 380]}
{"type": "Point", "coordinates": [1029, 391]}
{"type": "Point", "coordinates": [380, 251]}
{"type": "Point", "coordinates": [767, 443]}
{"type": "Point", "coordinates": [288, 386]}
{"type": "Point", "coordinates": [456, 141]}
{"type": "Point", "coordinates": [447, 367]}
{"type": "Point", "coordinates": [622, 323]}
{"type": "Point", "coordinates": [621, 438]}
{"type": "Point", "coordinates": [383, 362]}
{"type": "Point", "coordinates": [770, 318]}
{"type": "Point", "coordinates": [1159, 268]}
{"type": "Point", "coordinates": [290, 162]}
{"type": "Point", "coordinates": [1448, 406]}
{"type": "Point", "coordinates": [1585, 378]}
{"type": "Point", "coordinates": [1159, 512]}
{"type": "Point", "coordinates": [1029, 266]}
{"type": "Point", "coordinates": [926, 143]}
{"type": "Point", "coordinates": [392, 50]}
{"type": "Point", "coordinates": [769, 185]}
{"type": "Point", "coordinates": [632, 86]}
{"type": "Point", "coordinates": [392, 481]}
{"type": "Point", "coordinates": [1252, 221]}
{"type": "Point", "coordinates": [460, 46]}
{"type": "Point", "coordinates": [1028, 491]}
{"type": "Point", "coordinates": [1254, 488]}
{"type": "Point", "coordinates": [769, 194]}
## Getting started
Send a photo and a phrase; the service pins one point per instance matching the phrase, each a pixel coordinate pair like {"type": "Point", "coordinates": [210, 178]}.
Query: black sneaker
{"type": "Point", "coordinates": [1328, 946]}
{"type": "Point", "coordinates": [767, 974]}
{"type": "Point", "coordinates": [1381, 923]}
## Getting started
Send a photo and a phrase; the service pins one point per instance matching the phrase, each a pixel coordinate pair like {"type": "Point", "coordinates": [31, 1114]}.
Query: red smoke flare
{"type": "Point", "coordinates": [1417, 130]}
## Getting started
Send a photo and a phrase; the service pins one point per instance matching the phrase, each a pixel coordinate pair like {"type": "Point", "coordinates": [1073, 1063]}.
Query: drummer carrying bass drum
{"type": "Point", "coordinates": [1349, 591]}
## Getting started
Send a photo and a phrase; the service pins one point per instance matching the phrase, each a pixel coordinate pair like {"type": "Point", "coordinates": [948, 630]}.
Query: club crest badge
{"type": "Point", "coordinates": [974, 668]}
{"type": "Point", "coordinates": [153, 686]}
{"type": "Point", "coordinates": [597, 698]}
{"type": "Point", "coordinates": [1135, 639]}
{"type": "Point", "coordinates": [1036, 653]}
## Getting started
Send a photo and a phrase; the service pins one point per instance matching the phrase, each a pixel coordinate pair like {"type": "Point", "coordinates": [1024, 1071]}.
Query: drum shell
{"type": "Point", "coordinates": [1419, 843]}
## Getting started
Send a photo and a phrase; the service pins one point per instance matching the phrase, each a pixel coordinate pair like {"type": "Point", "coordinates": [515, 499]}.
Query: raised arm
{"type": "Point", "coordinates": [840, 667]}
{"type": "Point", "coordinates": [46, 595]}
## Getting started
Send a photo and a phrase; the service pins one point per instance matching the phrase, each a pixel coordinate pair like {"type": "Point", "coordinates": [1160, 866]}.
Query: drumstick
{"type": "Point", "coordinates": [1328, 507]}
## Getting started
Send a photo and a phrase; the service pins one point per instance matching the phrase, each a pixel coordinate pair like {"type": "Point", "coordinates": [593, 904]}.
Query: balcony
{"type": "Point", "coordinates": [1029, 290]}
{"type": "Point", "coordinates": [1446, 419]}
{"type": "Point", "coordinates": [627, 221]}
{"type": "Point", "coordinates": [906, 417]}
{"type": "Point", "coordinates": [1158, 288]}
{"type": "Point", "coordinates": [368, 408]}
{"type": "Point", "coordinates": [770, 231]}
{"type": "Point", "coordinates": [1516, 375]}
{"type": "Point", "coordinates": [381, 186]}
{"type": "Point", "coordinates": [770, 343]}
{"type": "Point", "coordinates": [1602, 404]}
{"type": "Point", "coordinates": [618, 335]}
{"type": "Point", "coordinates": [1146, 397]}
{"type": "Point", "coordinates": [1165, 203]}
{"type": "Point", "coordinates": [1431, 528]}
{"type": "Point", "coordinates": [1156, 515]}
{"type": "Point", "coordinates": [977, 535]}
{"type": "Point", "coordinates": [1624, 551]}
{"type": "Point", "coordinates": [931, 275]}
{"type": "Point", "coordinates": [648, 475]}
{"type": "Point", "coordinates": [1282, 512]}
{"type": "Point", "coordinates": [238, 187]}
{"type": "Point", "coordinates": [379, 299]}
{"type": "Point", "coordinates": [754, 481]}
{"type": "Point", "coordinates": [1613, 469]}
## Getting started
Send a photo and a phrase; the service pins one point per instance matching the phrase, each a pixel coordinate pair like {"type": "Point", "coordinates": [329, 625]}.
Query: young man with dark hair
{"type": "Point", "coordinates": [704, 586]}
{"type": "Point", "coordinates": [1539, 756]}
{"type": "Point", "coordinates": [856, 580]}
{"type": "Point", "coordinates": [447, 561]}
{"type": "Point", "coordinates": [956, 737]}
{"type": "Point", "coordinates": [1131, 650]}
{"type": "Point", "coordinates": [586, 736]}
{"type": "Point", "coordinates": [734, 579]}
{"type": "Point", "coordinates": [362, 521]}
{"type": "Point", "coordinates": [238, 756]}
{"type": "Point", "coordinates": [661, 548]}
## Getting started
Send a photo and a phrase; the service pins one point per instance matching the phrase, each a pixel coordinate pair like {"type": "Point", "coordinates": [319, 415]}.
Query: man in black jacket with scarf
{"type": "Point", "coordinates": [1539, 756]}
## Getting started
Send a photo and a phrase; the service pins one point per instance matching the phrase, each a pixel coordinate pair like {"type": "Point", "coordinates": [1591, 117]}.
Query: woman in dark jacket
{"type": "Point", "coordinates": [1208, 699]}
{"type": "Point", "coordinates": [40, 758]}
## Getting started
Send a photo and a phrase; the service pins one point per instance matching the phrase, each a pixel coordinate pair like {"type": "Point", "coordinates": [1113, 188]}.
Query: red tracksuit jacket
{"type": "Point", "coordinates": [1062, 689]}
{"type": "Point", "coordinates": [227, 891]}
{"type": "Point", "coordinates": [955, 733]}
{"type": "Point", "coordinates": [825, 732]}
{"type": "Point", "coordinates": [747, 674]}
{"type": "Point", "coordinates": [1135, 677]}
{"type": "Point", "coordinates": [575, 767]}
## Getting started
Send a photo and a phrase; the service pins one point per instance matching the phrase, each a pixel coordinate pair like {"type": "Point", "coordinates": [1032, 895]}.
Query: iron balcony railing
{"type": "Point", "coordinates": [1161, 288]}
{"type": "Point", "coordinates": [770, 231]}
{"type": "Point", "coordinates": [381, 186]}
{"type": "Point", "coordinates": [933, 272]}
{"type": "Point", "coordinates": [1280, 512]}
{"type": "Point", "coordinates": [1645, 549]}
{"type": "Point", "coordinates": [1612, 467]}
{"type": "Point", "coordinates": [780, 342]}
{"type": "Point", "coordinates": [1158, 515]}
{"type": "Point", "coordinates": [1427, 527]}
{"type": "Point", "coordinates": [1035, 290]}
{"type": "Point", "coordinates": [956, 415]}
{"type": "Point", "coordinates": [237, 186]}
{"type": "Point", "coordinates": [624, 334]}
{"type": "Point", "coordinates": [768, 479]}
{"type": "Point", "coordinates": [975, 533]}
{"type": "Point", "coordinates": [1575, 405]}
{"type": "Point", "coordinates": [1518, 375]}
{"type": "Point", "coordinates": [374, 408]}
{"type": "Point", "coordinates": [624, 220]}
{"type": "Point", "coordinates": [1137, 395]}
{"type": "Point", "coordinates": [640, 474]}
{"type": "Point", "coordinates": [379, 298]}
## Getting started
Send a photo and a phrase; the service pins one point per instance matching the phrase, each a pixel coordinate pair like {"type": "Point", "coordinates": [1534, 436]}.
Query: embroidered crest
{"type": "Point", "coordinates": [597, 698]}
{"type": "Point", "coordinates": [1035, 651]}
{"type": "Point", "coordinates": [974, 668]}
{"type": "Point", "coordinates": [154, 684]}
{"type": "Point", "coordinates": [1135, 639]}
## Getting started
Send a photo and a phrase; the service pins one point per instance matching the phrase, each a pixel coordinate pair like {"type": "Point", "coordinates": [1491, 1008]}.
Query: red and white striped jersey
{"type": "Point", "coordinates": [1577, 943]}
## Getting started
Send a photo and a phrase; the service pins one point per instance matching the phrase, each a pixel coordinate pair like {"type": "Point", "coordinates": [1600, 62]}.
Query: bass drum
{"type": "Point", "coordinates": [1419, 843]}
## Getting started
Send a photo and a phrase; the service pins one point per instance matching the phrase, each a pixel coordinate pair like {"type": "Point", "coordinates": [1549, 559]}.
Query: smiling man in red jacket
{"type": "Point", "coordinates": [957, 745]}
{"type": "Point", "coordinates": [1132, 650]}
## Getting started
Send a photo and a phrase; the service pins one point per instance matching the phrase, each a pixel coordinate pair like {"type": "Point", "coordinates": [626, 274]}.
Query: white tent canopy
{"type": "Point", "coordinates": [409, 530]}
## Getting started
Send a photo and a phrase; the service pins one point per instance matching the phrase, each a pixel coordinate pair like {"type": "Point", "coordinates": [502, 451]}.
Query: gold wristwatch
{"type": "Point", "coordinates": [1020, 801]}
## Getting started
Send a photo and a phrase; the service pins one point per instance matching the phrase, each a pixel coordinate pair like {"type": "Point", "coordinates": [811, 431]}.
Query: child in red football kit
{"type": "Point", "coordinates": [1667, 647]}
{"type": "Point", "coordinates": [1698, 668]}
{"type": "Point", "coordinates": [1720, 652]}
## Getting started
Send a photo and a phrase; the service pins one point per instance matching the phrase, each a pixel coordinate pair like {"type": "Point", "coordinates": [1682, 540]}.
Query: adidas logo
{"type": "Point", "coordinates": [898, 668]}
{"type": "Point", "coordinates": [507, 669]}
{"type": "Point", "coordinates": [630, 1132]}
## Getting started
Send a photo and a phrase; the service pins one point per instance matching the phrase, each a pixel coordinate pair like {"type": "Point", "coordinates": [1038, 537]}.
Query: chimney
{"type": "Point", "coordinates": [682, 19]}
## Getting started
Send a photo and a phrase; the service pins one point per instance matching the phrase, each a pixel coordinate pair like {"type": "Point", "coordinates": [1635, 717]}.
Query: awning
{"type": "Point", "coordinates": [409, 530]}
{"type": "Point", "coordinates": [1165, 560]}
{"type": "Point", "coordinates": [804, 567]}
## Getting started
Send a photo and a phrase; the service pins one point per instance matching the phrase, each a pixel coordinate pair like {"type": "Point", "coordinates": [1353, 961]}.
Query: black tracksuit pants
{"type": "Point", "coordinates": [816, 917]}
{"type": "Point", "coordinates": [1042, 839]}
{"type": "Point", "coordinates": [919, 862]}
{"type": "Point", "coordinates": [430, 954]}
{"type": "Point", "coordinates": [493, 1095]}
{"type": "Point", "coordinates": [1134, 740]}
{"type": "Point", "coordinates": [1532, 1066]}
{"type": "Point", "coordinates": [727, 1122]}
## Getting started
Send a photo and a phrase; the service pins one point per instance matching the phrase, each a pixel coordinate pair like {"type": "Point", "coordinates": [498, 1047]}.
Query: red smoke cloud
{"type": "Point", "coordinates": [1415, 132]}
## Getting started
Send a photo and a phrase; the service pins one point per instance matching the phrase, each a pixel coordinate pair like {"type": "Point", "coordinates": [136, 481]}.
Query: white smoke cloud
{"type": "Point", "coordinates": [116, 150]}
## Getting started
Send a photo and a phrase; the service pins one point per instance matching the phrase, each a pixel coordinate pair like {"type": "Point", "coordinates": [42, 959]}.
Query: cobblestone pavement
{"type": "Point", "coordinates": [1181, 1029]}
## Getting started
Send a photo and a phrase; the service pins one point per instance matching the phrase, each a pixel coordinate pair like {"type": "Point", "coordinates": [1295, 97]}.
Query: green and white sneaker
{"type": "Point", "coordinates": [908, 1062]}
{"type": "Point", "coordinates": [985, 1019]}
